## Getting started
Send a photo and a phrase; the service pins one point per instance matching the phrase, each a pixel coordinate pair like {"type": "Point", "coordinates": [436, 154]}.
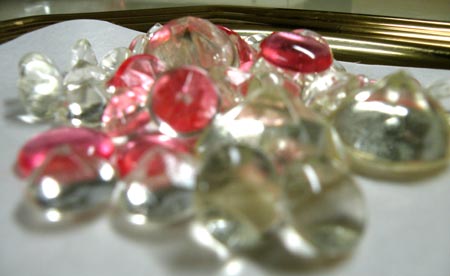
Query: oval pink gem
{"type": "Point", "coordinates": [129, 155]}
{"type": "Point", "coordinates": [184, 100]}
{"type": "Point", "coordinates": [297, 52]}
{"type": "Point", "coordinates": [83, 141]}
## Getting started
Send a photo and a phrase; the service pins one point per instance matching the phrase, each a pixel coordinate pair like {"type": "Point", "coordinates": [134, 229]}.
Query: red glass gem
{"type": "Point", "coordinates": [245, 52]}
{"type": "Point", "coordinates": [83, 141]}
{"type": "Point", "coordinates": [297, 52]}
{"type": "Point", "coordinates": [138, 72]}
{"type": "Point", "coordinates": [184, 100]}
{"type": "Point", "coordinates": [129, 155]}
{"type": "Point", "coordinates": [125, 113]}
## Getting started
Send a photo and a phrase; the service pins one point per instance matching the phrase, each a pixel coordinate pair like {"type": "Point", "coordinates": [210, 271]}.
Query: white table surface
{"type": "Point", "coordinates": [408, 230]}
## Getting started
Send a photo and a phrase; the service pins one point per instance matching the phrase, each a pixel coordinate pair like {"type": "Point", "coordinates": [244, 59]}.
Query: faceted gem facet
{"type": "Point", "coordinates": [82, 53]}
{"type": "Point", "coordinates": [324, 207]}
{"type": "Point", "coordinates": [83, 141]}
{"type": "Point", "coordinates": [159, 190]}
{"type": "Point", "coordinates": [297, 52]}
{"type": "Point", "coordinates": [245, 52]}
{"type": "Point", "coordinates": [394, 129]}
{"type": "Point", "coordinates": [113, 59]}
{"type": "Point", "coordinates": [236, 196]}
{"type": "Point", "coordinates": [137, 73]}
{"type": "Point", "coordinates": [125, 113]}
{"type": "Point", "coordinates": [70, 183]}
{"type": "Point", "coordinates": [129, 155]}
{"type": "Point", "coordinates": [184, 101]}
{"type": "Point", "coordinates": [195, 41]}
{"type": "Point", "coordinates": [40, 85]}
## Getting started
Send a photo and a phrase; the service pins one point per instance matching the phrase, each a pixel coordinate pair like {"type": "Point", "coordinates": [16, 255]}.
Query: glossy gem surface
{"type": "Point", "coordinates": [296, 52]}
{"type": "Point", "coordinates": [195, 41]}
{"type": "Point", "coordinates": [129, 155]}
{"type": "Point", "coordinates": [40, 85]}
{"type": "Point", "coordinates": [159, 190]}
{"type": "Point", "coordinates": [113, 59]}
{"type": "Point", "coordinates": [394, 129]}
{"type": "Point", "coordinates": [323, 206]}
{"type": "Point", "coordinates": [82, 141]}
{"type": "Point", "coordinates": [184, 100]}
{"type": "Point", "coordinates": [70, 183]}
{"type": "Point", "coordinates": [236, 196]}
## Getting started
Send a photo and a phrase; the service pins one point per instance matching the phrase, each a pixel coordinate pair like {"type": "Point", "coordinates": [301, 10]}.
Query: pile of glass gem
{"type": "Point", "coordinates": [249, 137]}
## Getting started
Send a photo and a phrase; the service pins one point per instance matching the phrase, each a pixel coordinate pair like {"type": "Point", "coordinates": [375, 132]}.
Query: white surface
{"type": "Point", "coordinates": [408, 231]}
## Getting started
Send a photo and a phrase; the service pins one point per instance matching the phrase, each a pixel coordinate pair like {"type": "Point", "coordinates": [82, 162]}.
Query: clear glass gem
{"type": "Point", "coordinates": [139, 43]}
{"type": "Point", "coordinates": [195, 41]}
{"type": "Point", "coordinates": [236, 196]}
{"type": "Point", "coordinates": [394, 129]}
{"type": "Point", "coordinates": [40, 85]}
{"type": "Point", "coordinates": [244, 51]}
{"type": "Point", "coordinates": [254, 40]}
{"type": "Point", "coordinates": [184, 101]}
{"type": "Point", "coordinates": [113, 59]}
{"type": "Point", "coordinates": [324, 208]}
{"type": "Point", "coordinates": [82, 141]}
{"type": "Point", "coordinates": [159, 190]}
{"type": "Point", "coordinates": [82, 53]}
{"type": "Point", "coordinates": [68, 183]}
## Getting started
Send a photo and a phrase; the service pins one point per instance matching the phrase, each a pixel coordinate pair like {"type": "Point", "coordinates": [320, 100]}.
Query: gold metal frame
{"type": "Point", "coordinates": [357, 38]}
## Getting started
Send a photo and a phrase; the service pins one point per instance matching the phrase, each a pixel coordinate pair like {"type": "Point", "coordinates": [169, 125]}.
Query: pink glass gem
{"type": "Point", "coordinates": [297, 52]}
{"type": "Point", "coordinates": [138, 73]}
{"type": "Point", "coordinates": [192, 41]}
{"type": "Point", "coordinates": [83, 141]}
{"type": "Point", "coordinates": [125, 113]}
{"type": "Point", "coordinates": [184, 101]}
{"type": "Point", "coordinates": [246, 53]}
{"type": "Point", "coordinates": [129, 155]}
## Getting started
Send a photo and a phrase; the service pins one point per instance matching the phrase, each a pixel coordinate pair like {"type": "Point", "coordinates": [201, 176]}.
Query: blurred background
{"type": "Point", "coordinates": [419, 9]}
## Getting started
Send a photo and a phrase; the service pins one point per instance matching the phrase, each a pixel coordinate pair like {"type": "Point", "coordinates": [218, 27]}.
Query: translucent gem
{"type": "Point", "coordinates": [324, 208]}
{"type": "Point", "coordinates": [40, 85]}
{"type": "Point", "coordinates": [125, 113]}
{"type": "Point", "coordinates": [328, 90]}
{"type": "Point", "coordinates": [160, 189]}
{"type": "Point", "coordinates": [85, 96]}
{"type": "Point", "coordinates": [184, 101]}
{"type": "Point", "coordinates": [113, 59]}
{"type": "Point", "coordinates": [236, 196]}
{"type": "Point", "coordinates": [394, 129]}
{"type": "Point", "coordinates": [83, 141]}
{"type": "Point", "coordinates": [82, 53]}
{"type": "Point", "coordinates": [137, 73]}
{"type": "Point", "coordinates": [254, 40]}
{"type": "Point", "coordinates": [129, 155]}
{"type": "Point", "coordinates": [269, 103]}
{"type": "Point", "coordinates": [245, 52]}
{"type": "Point", "coordinates": [69, 183]}
{"type": "Point", "coordinates": [139, 43]}
{"type": "Point", "coordinates": [195, 41]}
{"type": "Point", "coordinates": [230, 83]}
{"type": "Point", "coordinates": [297, 52]}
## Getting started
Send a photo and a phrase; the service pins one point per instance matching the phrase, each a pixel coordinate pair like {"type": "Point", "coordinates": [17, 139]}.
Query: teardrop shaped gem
{"type": "Point", "coordinates": [83, 53]}
{"type": "Point", "coordinates": [196, 42]}
{"type": "Point", "coordinates": [184, 101]}
{"type": "Point", "coordinates": [323, 207]}
{"type": "Point", "coordinates": [60, 193]}
{"type": "Point", "coordinates": [159, 190]}
{"type": "Point", "coordinates": [113, 59]}
{"type": "Point", "coordinates": [40, 85]}
{"type": "Point", "coordinates": [236, 196]}
{"type": "Point", "coordinates": [394, 129]}
{"type": "Point", "coordinates": [297, 51]}
{"type": "Point", "coordinates": [82, 141]}
{"type": "Point", "coordinates": [129, 155]}
{"type": "Point", "coordinates": [139, 43]}
{"type": "Point", "coordinates": [125, 113]}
